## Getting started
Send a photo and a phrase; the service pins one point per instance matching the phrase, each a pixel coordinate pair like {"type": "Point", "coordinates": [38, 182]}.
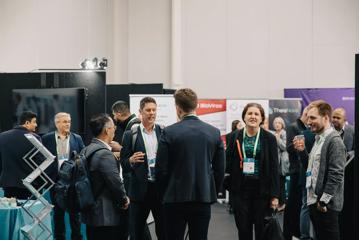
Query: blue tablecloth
{"type": "Point", "coordinates": [13, 219]}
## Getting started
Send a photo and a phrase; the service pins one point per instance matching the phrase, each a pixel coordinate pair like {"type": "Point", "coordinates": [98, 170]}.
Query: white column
{"type": "Point", "coordinates": [176, 46]}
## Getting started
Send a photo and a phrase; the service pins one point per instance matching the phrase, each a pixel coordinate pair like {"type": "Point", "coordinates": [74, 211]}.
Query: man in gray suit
{"type": "Point", "coordinates": [325, 172]}
{"type": "Point", "coordinates": [103, 220]}
{"type": "Point", "coordinates": [346, 131]}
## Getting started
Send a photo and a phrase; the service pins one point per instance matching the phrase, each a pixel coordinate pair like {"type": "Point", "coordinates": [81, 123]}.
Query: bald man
{"type": "Point", "coordinates": [346, 131]}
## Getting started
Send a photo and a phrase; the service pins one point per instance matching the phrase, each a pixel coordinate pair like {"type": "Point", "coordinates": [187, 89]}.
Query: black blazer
{"type": "Point", "coordinates": [13, 147]}
{"type": "Point", "coordinates": [139, 171]}
{"type": "Point", "coordinates": [49, 141]}
{"type": "Point", "coordinates": [268, 162]}
{"type": "Point", "coordinates": [190, 162]}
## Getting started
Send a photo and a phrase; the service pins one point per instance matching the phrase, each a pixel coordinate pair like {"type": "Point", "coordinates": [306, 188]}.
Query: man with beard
{"type": "Point", "coordinates": [325, 172]}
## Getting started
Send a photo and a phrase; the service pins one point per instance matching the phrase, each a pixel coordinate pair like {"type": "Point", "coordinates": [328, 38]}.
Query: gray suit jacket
{"type": "Point", "coordinates": [331, 171]}
{"type": "Point", "coordinates": [107, 187]}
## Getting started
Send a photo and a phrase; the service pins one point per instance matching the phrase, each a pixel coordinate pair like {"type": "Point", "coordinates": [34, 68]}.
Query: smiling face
{"type": "Point", "coordinates": [253, 117]}
{"type": "Point", "coordinates": [148, 113]}
{"type": "Point", "coordinates": [63, 124]}
{"type": "Point", "coordinates": [31, 125]}
{"type": "Point", "coordinates": [316, 122]}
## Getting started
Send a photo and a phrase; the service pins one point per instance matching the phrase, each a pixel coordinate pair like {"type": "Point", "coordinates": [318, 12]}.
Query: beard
{"type": "Point", "coordinates": [317, 130]}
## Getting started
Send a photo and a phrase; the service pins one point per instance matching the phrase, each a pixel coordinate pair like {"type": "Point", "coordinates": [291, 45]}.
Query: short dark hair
{"type": "Point", "coordinates": [120, 107]}
{"type": "Point", "coordinates": [234, 124]}
{"type": "Point", "coordinates": [186, 99]}
{"type": "Point", "coordinates": [324, 109]}
{"type": "Point", "coordinates": [146, 100]}
{"type": "Point", "coordinates": [98, 123]}
{"type": "Point", "coordinates": [256, 105]}
{"type": "Point", "coordinates": [26, 116]}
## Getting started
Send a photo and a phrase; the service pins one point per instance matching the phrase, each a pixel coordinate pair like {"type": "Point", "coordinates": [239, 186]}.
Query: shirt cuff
{"type": "Point", "coordinates": [326, 198]}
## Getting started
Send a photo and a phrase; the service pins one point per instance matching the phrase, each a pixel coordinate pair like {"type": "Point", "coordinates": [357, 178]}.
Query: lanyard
{"type": "Point", "coordinates": [60, 151]}
{"type": "Point", "coordinates": [255, 144]}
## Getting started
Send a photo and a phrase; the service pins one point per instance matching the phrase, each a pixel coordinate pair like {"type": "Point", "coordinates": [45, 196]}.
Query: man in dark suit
{"type": "Point", "coordinates": [139, 158]}
{"type": "Point", "coordinates": [346, 131]}
{"type": "Point", "coordinates": [62, 143]}
{"type": "Point", "coordinates": [189, 170]}
{"type": "Point", "coordinates": [103, 220]}
{"type": "Point", "coordinates": [13, 147]}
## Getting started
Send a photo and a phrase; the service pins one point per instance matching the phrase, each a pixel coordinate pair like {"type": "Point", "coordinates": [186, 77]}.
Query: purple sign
{"type": "Point", "coordinates": [336, 97]}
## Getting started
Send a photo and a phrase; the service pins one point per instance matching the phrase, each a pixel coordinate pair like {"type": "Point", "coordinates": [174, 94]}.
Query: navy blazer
{"type": "Point", "coordinates": [139, 171]}
{"type": "Point", "coordinates": [268, 162]}
{"type": "Point", "coordinates": [49, 141]}
{"type": "Point", "coordinates": [13, 147]}
{"type": "Point", "coordinates": [190, 162]}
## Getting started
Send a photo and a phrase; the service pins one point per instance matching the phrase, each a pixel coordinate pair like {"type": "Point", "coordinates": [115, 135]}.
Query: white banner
{"type": "Point", "coordinates": [166, 110]}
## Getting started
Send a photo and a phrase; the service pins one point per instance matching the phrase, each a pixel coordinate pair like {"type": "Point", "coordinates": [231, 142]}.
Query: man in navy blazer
{"type": "Point", "coordinates": [61, 143]}
{"type": "Point", "coordinates": [140, 160]}
{"type": "Point", "coordinates": [13, 146]}
{"type": "Point", "coordinates": [189, 170]}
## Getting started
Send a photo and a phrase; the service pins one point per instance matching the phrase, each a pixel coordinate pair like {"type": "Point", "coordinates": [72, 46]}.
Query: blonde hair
{"type": "Point", "coordinates": [280, 120]}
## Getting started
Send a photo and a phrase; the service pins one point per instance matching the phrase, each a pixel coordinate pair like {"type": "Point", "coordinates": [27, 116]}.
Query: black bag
{"type": "Point", "coordinates": [73, 192]}
{"type": "Point", "coordinates": [272, 229]}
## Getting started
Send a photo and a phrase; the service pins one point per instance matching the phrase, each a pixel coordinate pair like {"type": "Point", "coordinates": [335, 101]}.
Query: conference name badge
{"type": "Point", "coordinates": [308, 179]}
{"type": "Point", "coordinates": [248, 166]}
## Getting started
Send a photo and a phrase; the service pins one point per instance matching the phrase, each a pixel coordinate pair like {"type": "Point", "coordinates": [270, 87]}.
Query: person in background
{"type": "Point", "coordinates": [281, 137]}
{"type": "Point", "coordinates": [253, 167]}
{"type": "Point", "coordinates": [325, 172]}
{"type": "Point", "coordinates": [139, 159]}
{"type": "Point", "coordinates": [189, 170]}
{"type": "Point", "coordinates": [296, 220]}
{"type": "Point", "coordinates": [13, 147]}
{"type": "Point", "coordinates": [124, 121]}
{"type": "Point", "coordinates": [346, 131]}
{"type": "Point", "coordinates": [62, 143]}
{"type": "Point", "coordinates": [103, 220]}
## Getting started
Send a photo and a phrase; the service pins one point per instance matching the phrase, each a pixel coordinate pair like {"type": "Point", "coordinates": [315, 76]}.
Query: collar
{"type": "Point", "coordinates": [190, 116]}
{"type": "Point", "coordinates": [128, 120]}
{"type": "Point", "coordinates": [57, 135]}
{"type": "Point", "coordinates": [324, 134]}
{"type": "Point", "coordinates": [106, 144]}
{"type": "Point", "coordinates": [143, 129]}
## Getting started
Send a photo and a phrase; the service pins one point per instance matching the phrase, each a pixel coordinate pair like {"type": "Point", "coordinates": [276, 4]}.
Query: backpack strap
{"type": "Point", "coordinates": [134, 131]}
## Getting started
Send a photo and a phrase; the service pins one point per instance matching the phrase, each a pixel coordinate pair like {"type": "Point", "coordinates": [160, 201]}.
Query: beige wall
{"type": "Point", "coordinates": [227, 48]}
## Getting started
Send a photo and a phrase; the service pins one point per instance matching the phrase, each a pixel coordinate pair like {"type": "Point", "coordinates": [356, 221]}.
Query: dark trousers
{"type": "Point", "coordinates": [326, 225]}
{"type": "Point", "coordinates": [19, 193]}
{"type": "Point", "coordinates": [139, 212]}
{"type": "Point", "coordinates": [59, 221]}
{"type": "Point", "coordinates": [102, 232]}
{"type": "Point", "coordinates": [124, 226]}
{"type": "Point", "coordinates": [291, 219]}
{"type": "Point", "coordinates": [195, 215]}
{"type": "Point", "coordinates": [249, 209]}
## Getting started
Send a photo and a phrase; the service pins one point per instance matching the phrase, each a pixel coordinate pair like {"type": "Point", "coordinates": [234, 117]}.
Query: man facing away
{"type": "Point", "coordinates": [325, 172]}
{"type": "Point", "coordinates": [138, 157]}
{"type": "Point", "coordinates": [13, 147]}
{"type": "Point", "coordinates": [189, 170]}
{"type": "Point", "coordinates": [62, 143]}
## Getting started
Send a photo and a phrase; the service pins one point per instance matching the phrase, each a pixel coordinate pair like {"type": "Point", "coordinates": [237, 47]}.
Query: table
{"type": "Point", "coordinates": [14, 218]}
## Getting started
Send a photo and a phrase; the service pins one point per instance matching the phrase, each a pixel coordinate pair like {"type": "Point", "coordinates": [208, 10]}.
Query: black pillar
{"type": "Point", "coordinates": [355, 186]}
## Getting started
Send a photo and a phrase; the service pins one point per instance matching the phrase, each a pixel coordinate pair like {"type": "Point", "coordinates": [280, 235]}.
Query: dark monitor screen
{"type": "Point", "coordinates": [47, 102]}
